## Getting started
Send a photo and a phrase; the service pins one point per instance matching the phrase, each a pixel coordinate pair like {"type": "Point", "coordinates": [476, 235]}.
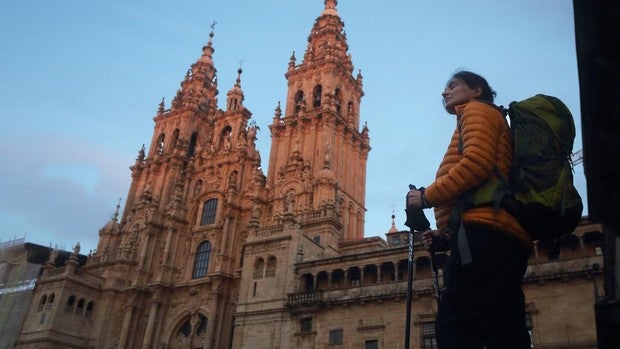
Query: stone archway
{"type": "Point", "coordinates": [190, 332]}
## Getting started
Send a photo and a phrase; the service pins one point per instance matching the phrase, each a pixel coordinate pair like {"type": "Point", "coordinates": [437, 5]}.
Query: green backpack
{"type": "Point", "coordinates": [540, 192]}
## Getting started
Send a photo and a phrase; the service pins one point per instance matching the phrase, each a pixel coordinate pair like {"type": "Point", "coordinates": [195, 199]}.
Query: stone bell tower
{"type": "Point", "coordinates": [318, 152]}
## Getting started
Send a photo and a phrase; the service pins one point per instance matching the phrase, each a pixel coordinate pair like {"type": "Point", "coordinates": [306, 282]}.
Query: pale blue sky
{"type": "Point", "coordinates": [80, 82]}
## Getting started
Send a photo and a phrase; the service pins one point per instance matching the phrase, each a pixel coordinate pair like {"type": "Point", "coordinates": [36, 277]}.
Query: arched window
{"type": "Point", "coordinates": [42, 302]}
{"type": "Point", "coordinates": [175, 138]}
{"type": "Point", "coordinates": [299, 97]}
{"type": "Point", "coordinates": [80, 307]}
{"type": "Point", "coordinates": [351, 221]}
{"type": "Point", "coordinates": [270, 268]}
{"type": "Point", "coordinates": [89, 309]}
{"type": "Point", "coordinates": [232, 104]}
{"type": "Point", "coordinates": [190, 332]}
{"type": "Point", "coordinates": [192, 145]}
{"type": "Point", "coordinates": [316, 96]}
{"type": "Point", "coordinates": [259, 266]}
{"type": "Point", "coordinates": [354, 276]}
{"type": "Point", "coordinates": [159, 146]}
{"type": "Point", "coordinates": [307, 282]}
{"type": "Point", "coordinates": [338, 95]}
{"type": "Point", "coordinates": [52, 297]}
{"type": "Point", "coordinates": [70, 303]}
{"type": "Point", "coordinates": [209, 209]}
{"type": "Point", "coordinates": [201, 263]}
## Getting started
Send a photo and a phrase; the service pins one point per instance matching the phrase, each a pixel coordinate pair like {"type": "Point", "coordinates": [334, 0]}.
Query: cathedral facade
{"type": "Point", "coordinates": [212, 253]}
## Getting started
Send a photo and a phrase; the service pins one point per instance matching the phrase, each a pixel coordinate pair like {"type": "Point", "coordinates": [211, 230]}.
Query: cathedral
{"type": "Point", "coordinates": [211, 252]}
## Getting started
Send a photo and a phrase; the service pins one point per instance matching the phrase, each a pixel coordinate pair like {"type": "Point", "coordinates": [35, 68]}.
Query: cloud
{"type": "Point", "coordinates": [58, 190]}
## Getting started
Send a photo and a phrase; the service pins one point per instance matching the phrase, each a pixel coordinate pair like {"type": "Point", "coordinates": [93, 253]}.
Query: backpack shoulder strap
{"type": "Point", "coordinates": [494, 190]}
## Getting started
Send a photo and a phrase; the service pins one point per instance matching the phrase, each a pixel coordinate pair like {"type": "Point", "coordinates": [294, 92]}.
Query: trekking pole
{"type": "Point", "coordinates": [416, 221]}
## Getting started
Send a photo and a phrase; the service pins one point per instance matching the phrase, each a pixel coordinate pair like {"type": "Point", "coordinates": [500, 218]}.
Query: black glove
{"type": "Point", "coordinates": [416, 219]}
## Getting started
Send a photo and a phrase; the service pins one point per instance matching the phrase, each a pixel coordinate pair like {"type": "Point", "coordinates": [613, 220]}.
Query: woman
{"type": "Point", "coordinates": [482, 304]}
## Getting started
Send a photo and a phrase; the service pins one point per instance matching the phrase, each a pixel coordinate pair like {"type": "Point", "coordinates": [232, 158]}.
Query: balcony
{"type": "Point", "coordinates": [305, 300]}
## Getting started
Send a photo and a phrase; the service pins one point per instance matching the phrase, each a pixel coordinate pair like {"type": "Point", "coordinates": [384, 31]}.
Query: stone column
{"type": "Point", "coordinates": [396, 272]}
{"type": "Point", "coordinates": [122, 342]}
{"type": "Point", "coordinates": [150, 325]}
{"type": "Point", "coordinates": [329, 280]}
{"type": "Point", "coordinates": [225, 233]}
{"type": "Point", "coordinates": [147, 238]}
{"type": "Point", "coordinates": [207, 341]}
{"type": "Point", "coordinates": [379, 273]}
{"type": "Point", "coordinates": [166, 256]}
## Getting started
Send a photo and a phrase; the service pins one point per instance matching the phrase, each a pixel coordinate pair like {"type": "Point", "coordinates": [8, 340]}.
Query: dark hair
{"type": "Point", "coordinates": [475, 81]}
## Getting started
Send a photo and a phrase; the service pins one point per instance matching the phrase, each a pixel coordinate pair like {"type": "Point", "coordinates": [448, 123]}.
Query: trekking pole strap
{"type": "Point", "coordinates": [463, 245]}
{"type": "Point", "coordinates": [455, 223]}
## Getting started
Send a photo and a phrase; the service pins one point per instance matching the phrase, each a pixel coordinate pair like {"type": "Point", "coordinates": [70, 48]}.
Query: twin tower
{"type": "Point", "coordinates": [206, 240]}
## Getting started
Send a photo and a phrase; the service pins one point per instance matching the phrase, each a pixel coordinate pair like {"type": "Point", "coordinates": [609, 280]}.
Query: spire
{"type": "Point", "coordinates": [277, 114]}
{"type": "Point", "coordinates": [393, 229]}
{"type": "Point", "coordinates": [207, 50]}
{"type": "Point", "coordinates": [330, 7]}
{"type": "Point", "coordinates": [239, 71]}
{"type": "Point", "coordinates": [327, 41]}
{"type": "Point", "coordinates": [162, 107]}
{"type": "Point", "coordinates": [291, 62]}
{"type": "Point", "coordinates": [118, 207]}
{"type": "Point", "coordinates": [235, 95]}
{"type": "Point", "coordinates": [141, 155]}
{"type": "Point", "coordinates": [199, 87]}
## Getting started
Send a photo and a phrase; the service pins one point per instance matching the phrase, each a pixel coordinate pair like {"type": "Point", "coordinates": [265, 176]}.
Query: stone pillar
{"type": "Point", "coordinates": [362, 276]}
{"type": "Point", "coordinates": [122, 342]}
{"type": "Point", "coordinates": [150, 325]}
{"type": "Point", "coordinates": [207, 342]}
{"type": "Point", "coordinates": [225, 233]}
{"type": "Point", "coordinates": [147, 238]}
{"type": "Point", "coordinates": [329, 280]}
{"type": "Point", "coordinates": [166, 256]}
{"type": "Point", "coordinates": [379, 273]}
{"type": "Point", "coordinates": [396, 272]}
{"type": "Point", "coordinates": [314, 282]}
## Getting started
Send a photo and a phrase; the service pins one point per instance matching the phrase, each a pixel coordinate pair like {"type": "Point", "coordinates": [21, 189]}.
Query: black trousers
{"type": "Point", "coordinates": [483, 305]}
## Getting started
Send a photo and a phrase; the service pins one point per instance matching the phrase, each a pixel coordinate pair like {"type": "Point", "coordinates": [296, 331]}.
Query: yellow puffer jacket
{"type": "Point", "coordinates": [486, 145]}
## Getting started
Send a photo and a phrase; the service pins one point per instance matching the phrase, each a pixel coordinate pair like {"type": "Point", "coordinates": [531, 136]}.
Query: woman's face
{"type": "Point", "coordinates": [457, 92]}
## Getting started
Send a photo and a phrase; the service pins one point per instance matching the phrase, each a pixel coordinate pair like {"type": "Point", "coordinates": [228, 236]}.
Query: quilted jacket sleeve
{"type": "Point", "coordinates": [480, 126]}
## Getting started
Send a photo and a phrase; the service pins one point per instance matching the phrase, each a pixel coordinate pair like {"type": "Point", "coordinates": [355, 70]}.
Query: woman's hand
{"type": "Point", "coordinates": [414, 198]}
{"type": "Point", "coordinates": [430, 239]}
